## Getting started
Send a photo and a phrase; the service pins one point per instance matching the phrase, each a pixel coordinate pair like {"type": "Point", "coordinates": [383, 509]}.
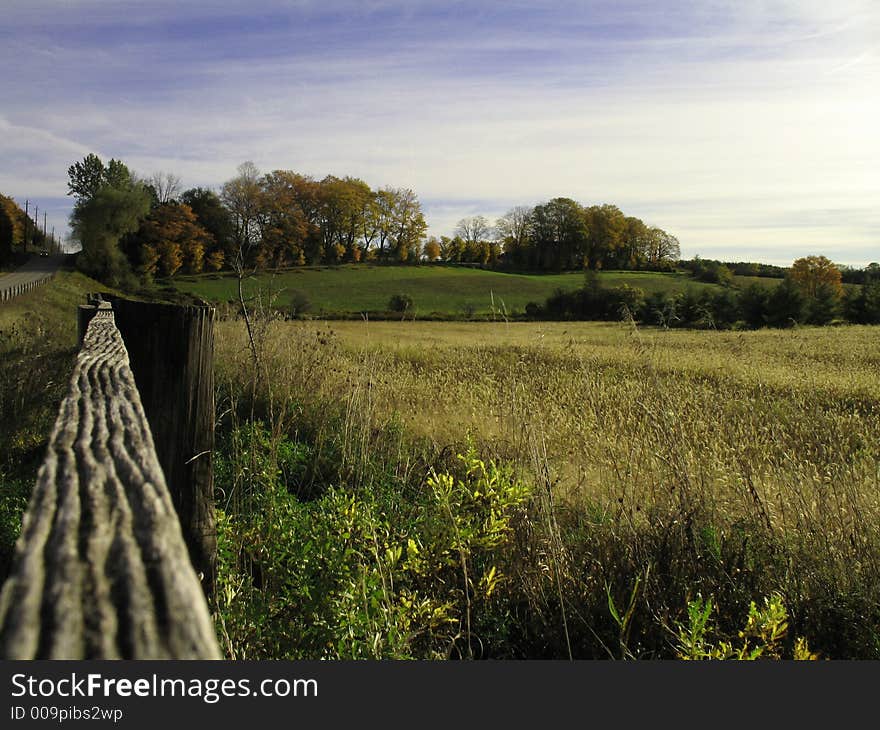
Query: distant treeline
{"type": "Point", "coordinates": [810, 293]}
{"type": "Point", "coordinates": [560, 235]}
{"type": "Point", "coordinates": [713, 271]}
{"type": "Point", "coordinates": [147, 227]}
{"type": "Point", "coordinates": [128, 226]}
{"type": "Point", "coordinates": [132, 230]}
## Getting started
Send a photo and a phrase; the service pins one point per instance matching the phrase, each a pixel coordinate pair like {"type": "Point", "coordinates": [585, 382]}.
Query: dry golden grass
{"type": "Point", "coordinates": [658, 450]}
{"type": "Point", "coordinates": [782, 422]}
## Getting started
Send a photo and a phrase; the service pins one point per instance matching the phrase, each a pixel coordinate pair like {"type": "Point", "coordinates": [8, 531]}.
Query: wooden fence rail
{"type": "Point", "coordinates": [15, 290]}
{"type": "Point", "coordinates": [101, 569]}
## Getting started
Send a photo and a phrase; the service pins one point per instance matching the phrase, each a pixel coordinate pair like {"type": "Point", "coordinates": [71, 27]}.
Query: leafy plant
{"type": "Point", "coordinates": [762, 636]}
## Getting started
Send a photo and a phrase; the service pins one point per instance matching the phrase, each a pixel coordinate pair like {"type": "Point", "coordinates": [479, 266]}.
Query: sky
{"type": "Point", "coordinates": [746, 128]}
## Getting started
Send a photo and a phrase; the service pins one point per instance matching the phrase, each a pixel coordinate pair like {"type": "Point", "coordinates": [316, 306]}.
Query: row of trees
{"type": "Point", "coordinates": [810, 293]}
{"type": "Point", "coordinates": [130, 225]}
{"type": "Point", "coordinates": [285, 218]}
{"type": "Point", "coordinates": [148, 226]}
{"type": "Point", "coordinates": [558, 235]}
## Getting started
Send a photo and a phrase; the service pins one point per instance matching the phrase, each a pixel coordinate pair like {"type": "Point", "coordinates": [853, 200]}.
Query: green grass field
{"type": "Point", "coordinates": [445, 290]}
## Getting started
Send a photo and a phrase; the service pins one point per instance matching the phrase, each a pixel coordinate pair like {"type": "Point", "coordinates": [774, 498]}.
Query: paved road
{"type": "Point", "coordinates": [36, 271]}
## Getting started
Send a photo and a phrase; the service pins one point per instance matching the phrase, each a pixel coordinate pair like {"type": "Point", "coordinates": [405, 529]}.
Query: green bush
{"type": "Point", "coordinates": [358, 573]}
{"type": "Point", "coordinates": [300, 303]}
{"type": "Point", "coordinates": [400, 303]}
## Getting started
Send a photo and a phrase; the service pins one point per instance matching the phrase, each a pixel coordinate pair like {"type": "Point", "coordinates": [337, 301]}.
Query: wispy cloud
{"type": "Point", "coordinates": [727, 123]}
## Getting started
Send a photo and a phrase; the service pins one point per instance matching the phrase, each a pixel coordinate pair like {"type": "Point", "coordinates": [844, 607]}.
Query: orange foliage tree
{"type": "Point", "coordinates": [170, 238]}
{"type": "Point", "coordinates": [814, 272]}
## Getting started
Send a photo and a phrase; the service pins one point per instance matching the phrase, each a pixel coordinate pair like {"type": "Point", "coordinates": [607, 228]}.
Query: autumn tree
{"type": "Point", "coordinates": [11, 227]}
{"type": "Point", "coordinates": [432, 249]}
{"type": "Point", "coordinates": [635, 243]}
{"type": "Point", "coordinates": [812, 272]}
{"type": "Point", "coordinates": [284, 226]}
{"type": "Point", "coordinates": [213, 216]}
{"type": "Point", "coordinates": [606, 226]}
{"type": "Point", "coordinates": [345, 203]}
{"type": "Point", "coordinates": [400, 223]}
{"type": "Point", "coordinates": [170, 239]}
{"type": "Point", "coordinates": [90, 174]}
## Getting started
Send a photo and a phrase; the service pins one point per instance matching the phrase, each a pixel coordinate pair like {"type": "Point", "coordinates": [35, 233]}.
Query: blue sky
{"type": "Point", "coordinates": [748, 129]}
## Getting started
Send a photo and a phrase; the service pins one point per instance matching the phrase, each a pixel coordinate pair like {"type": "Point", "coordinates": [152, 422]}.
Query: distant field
{"type": "Point", "coordinates": [443, 290]}
{"type": "Point", "coordinates": [741, 282]}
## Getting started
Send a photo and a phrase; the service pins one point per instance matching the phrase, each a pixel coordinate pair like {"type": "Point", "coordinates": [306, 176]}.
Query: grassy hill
{"type": "Point", "coordinates": [443, 290]}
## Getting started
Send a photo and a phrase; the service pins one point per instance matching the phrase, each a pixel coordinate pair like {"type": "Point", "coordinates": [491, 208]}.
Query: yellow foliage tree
{"type": "Point", "coordinates": [812, 272]}
{"type": "Point", "coordinates": [432, 249]}
{"type": "Point", "coordinates": [170, 257]}
{"type": "Point", "coordinates": [171, 238]}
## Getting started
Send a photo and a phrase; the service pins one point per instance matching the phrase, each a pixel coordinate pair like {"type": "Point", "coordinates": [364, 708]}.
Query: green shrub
{"type": "Point", "coordinates": [300, 303]}
{"type": "Point", "coordinates": [400, 303]}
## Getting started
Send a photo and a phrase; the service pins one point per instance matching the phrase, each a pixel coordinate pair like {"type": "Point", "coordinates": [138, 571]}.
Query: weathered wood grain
{"type": "Point", "coordinates": [101, 569]}
{"type": "Point", "coordinates": [171, 351]}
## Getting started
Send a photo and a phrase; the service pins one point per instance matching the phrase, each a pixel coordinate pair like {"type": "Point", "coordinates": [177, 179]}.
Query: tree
{"type": "Point", "coordinates": [168, 239]}
{"type": "Point", "coordinates": [786, 304]}
{"type": "Point", "coordinates": [432, 249]}
{"type": "Point", "coordinates": [512, 230]}
{"type": "Point", "coordinates": [86, 177]}
{"type": "Point", "coordinates": [242, 196]}
{"type": "Point", "coordinates": [662, 246]}
{"type": "Point", "coordinates": [635, 243]}
{"type": "Point", "coordinates": [11, 227]}
{"type": "Point", "coordinates": [110, 204]}
{"type": "Point", "coordinates": [99, 222]}
{"type": "Point", "coordinates": [165, 185]}
{"type": "Point", "coordinates": [473, 229]}
{"type": "Point", "coordinates": [400, 303]}
{"type": "Point", "coordinates": [863, 306]}
{"type": "Point", "coordinates": [606, 226]}
{"type": "Point", "coordinates": [559, 235]}
{"type": "Point", "coordinates": [216, 220]}
{"type": "Point", "coordinates": [753, 305]}
{"type": "Point", "coordinates": [292, 211]}
{"type": "Point", "coordinates": [284, 226]}
{"type": "Point", "coordinates": [402, 223]}
{"type": "Point", "coordinates": [810, 272]}
{"type": "Point", "coordinates": [824, 306]}
{"type": "Point", "coordinates": [344, 204]}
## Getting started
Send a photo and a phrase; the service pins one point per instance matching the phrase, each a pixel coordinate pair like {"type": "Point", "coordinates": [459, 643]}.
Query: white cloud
{"type": "Point", "coordinates": [749, 111]}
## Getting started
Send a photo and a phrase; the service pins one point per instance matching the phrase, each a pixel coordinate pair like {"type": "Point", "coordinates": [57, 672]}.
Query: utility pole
{"type": "Point", "coordinates": [44, 229]}
{"type": "Point", "coordinates": [36, 226]}
{"type": "Point", "coordinates": [27, 220]}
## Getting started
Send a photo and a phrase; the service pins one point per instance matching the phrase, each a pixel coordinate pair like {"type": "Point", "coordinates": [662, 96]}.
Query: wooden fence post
{"type": "Point", "coordinates": [101, 569]}
{"type": "Point", "coordinates": [171, 350]}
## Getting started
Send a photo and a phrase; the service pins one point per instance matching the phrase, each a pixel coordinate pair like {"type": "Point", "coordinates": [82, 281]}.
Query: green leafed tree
{"type": "Point", "coordinates": [99, 223]}
{"type": "Point", "coordinates": [110, 204]}
{"type": "Point", "coordinates": [559, 235]}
